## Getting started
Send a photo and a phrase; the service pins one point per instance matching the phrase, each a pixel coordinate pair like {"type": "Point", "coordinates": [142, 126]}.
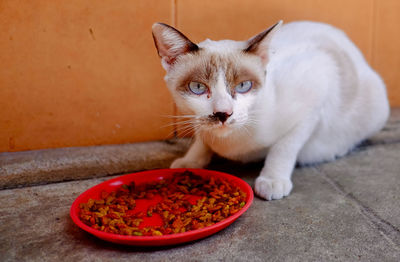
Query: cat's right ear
{"type": "Point", "coordinates": [259, 44]}
{"type": "Point", "coordinates": [170, 44]}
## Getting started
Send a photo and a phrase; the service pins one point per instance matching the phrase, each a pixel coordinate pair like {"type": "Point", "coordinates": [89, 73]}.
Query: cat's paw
{"type": "Point", "coordinates": [272, 188]}
{"type": "Point", "coordinates": [186, 163]}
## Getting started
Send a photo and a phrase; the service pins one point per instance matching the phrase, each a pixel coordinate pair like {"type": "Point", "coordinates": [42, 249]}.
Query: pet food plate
{"type": "Point", "coordinates": [154, 176]}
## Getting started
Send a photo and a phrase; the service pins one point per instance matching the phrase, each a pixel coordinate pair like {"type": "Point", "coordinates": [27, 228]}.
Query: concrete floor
{"type": "Point", "coordinates": [347, 210]}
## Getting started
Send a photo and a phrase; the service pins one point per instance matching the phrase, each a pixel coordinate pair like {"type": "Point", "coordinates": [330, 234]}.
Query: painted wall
{"type": "Point", "coordinates": [78, 73]}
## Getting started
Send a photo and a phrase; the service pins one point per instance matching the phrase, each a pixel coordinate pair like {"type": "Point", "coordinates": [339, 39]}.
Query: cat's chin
{"type": "Point", "coordinates": [221, 130]}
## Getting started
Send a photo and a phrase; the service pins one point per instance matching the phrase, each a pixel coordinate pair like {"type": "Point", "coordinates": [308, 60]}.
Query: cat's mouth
{"type": "Point", "coordinates": [216, 123]}
{"type": "Point", "coordinates": [218, 127]}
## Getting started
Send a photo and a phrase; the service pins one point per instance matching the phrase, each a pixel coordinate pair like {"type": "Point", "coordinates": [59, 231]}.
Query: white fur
{"type": "Point", "coordinates": [320, 98]}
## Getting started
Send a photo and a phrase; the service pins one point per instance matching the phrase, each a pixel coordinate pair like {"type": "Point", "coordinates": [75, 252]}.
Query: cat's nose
{"type": "Point", "coordinates": [222, 116]}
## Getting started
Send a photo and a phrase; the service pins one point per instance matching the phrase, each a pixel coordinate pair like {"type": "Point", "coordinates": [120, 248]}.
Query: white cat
{"type": "Point", "coordinates": [298, 92]}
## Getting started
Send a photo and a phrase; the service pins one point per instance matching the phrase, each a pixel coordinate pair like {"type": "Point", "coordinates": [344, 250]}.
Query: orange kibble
{"type": "Point", "coordinates": [156, 233]}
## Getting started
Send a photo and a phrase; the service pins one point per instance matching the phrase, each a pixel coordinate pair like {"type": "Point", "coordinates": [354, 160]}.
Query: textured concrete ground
{"type": "Point", "coordinates": [347, 210]}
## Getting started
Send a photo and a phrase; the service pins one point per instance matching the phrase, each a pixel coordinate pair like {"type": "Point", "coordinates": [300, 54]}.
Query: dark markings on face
{"type": "Point", "coordinates": [207, 71]}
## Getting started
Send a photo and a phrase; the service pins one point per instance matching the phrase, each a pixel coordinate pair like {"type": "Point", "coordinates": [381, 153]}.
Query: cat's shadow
{"type": "Point", "coordinates": [241, 170]}
{"type": "Point", "coordinates": [253, 169]}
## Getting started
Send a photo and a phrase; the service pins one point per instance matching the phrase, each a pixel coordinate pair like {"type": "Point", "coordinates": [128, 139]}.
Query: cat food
{"type": "Point", "coordinates": [182, 203]}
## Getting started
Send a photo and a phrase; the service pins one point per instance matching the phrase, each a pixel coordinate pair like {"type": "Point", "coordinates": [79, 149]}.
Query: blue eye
{"type": "Point", "coordinates": [244, 87]}
{"type": "Point", "coordinates": [197, 88]}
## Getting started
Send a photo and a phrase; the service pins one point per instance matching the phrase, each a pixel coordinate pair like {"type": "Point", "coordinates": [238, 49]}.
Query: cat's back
{"type": "Point", "coordinates": [304, 30]}
{"type": "Point", "coordinates": [306, 35]}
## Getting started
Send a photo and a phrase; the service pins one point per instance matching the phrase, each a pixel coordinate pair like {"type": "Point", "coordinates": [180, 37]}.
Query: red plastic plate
{"type": "Point", "coordinates": [156, 175]}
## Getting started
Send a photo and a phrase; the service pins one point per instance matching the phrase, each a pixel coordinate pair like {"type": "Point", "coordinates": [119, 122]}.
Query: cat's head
{"type": "Point", "coordinates": [214, 82]}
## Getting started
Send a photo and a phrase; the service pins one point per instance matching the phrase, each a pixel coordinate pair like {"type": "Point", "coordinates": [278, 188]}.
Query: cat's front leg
{"type": "Point", "coordinates": [274, 181]}
{"type": "Point", "coordinates": [198, 156]}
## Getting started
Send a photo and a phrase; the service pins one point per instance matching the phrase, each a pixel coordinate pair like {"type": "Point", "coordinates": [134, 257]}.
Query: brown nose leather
{"type": "Point", "coordinates": [221, 116]}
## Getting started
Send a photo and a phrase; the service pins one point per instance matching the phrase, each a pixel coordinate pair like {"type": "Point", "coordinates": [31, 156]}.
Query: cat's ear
{"type": "Point", "coordinates": [259, 44]}
{"type": "Point", "coordinates": [170, 44]}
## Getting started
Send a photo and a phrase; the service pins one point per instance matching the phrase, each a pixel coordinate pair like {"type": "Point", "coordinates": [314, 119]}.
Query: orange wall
{"type": "Point", "coordinates": [77, 73]}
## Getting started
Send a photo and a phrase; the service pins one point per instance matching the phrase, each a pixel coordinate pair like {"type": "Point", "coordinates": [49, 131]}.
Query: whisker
{"type": "Point", "coordinates": [191, 121]}
{"type": "Point", "coordinates": [180, 116]}
{"type": "Point", "coordinates": [180, 126]}
{"type": "Point", "coordinates": [186, 131]}
{"type": "Point", "coordinates": [167, 125]}
{"type": "Point", "coordinates": [253, 120]}
{"type": "Point", "coordinates": [186, 123]}
{"type": "Point", "coordinates": [189, 128]}
{"type": "Point", "coordinates": [172, 133]}
{"type": "Point", "coordinates": [177, 123]}
{"type": "Point", "coordinates": [244, 128]}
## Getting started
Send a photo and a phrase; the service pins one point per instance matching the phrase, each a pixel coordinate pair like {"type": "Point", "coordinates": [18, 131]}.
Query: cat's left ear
{"type": "Point", "coordinates": [259, 44]}
{"type": "Point", "coordinates": [170, 44]}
